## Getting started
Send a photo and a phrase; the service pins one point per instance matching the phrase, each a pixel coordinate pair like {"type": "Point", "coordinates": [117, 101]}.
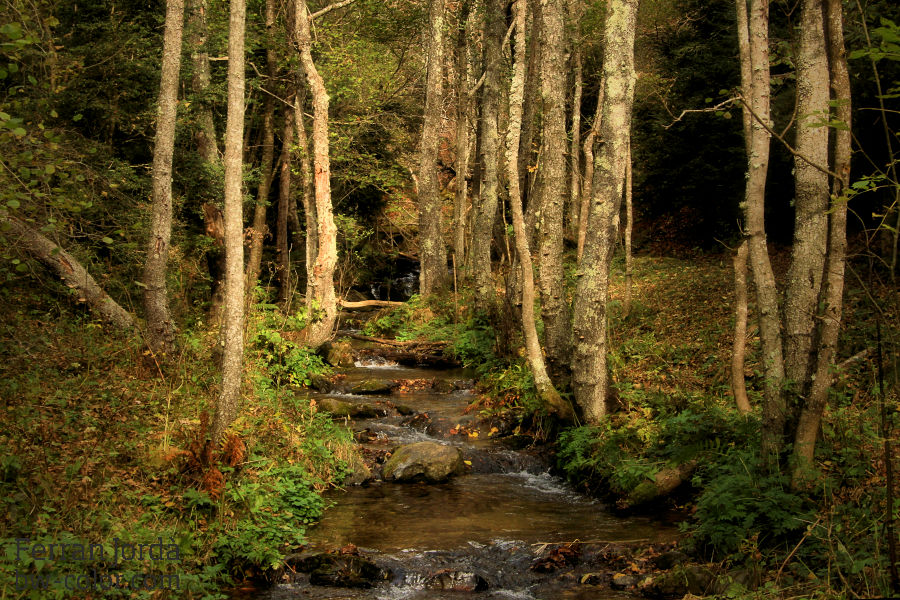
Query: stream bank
{"type": "Point", "coordinates": [497, 524]}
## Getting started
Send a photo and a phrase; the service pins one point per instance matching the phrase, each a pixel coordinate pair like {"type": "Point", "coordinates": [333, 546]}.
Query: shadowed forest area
{"type": "Point", "coordinates": [419, 298]}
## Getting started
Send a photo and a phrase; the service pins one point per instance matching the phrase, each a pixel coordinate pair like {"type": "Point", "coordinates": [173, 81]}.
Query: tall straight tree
{"type": "Point", "coordinates": [233, 323]}
{"type": "Point", "coordinates": [432, 250]}
{"type": "Point", "coordinates": [554, 307]}
{"type": "Point", "coordinates": [589, 376]}
{"type": "Point", "coordinates": [160, 329]}
{"type": "Point", "coordinates": [486, 208]}
{"type": "Point", "coordinates": [320, 299]}
{"type": "Point", "coordinates": [575, 10]}
{"type": "Point", "coordinates": [282, 245]}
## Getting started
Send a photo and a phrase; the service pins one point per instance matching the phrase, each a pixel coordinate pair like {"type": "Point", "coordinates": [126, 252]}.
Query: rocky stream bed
{"type": "Point", "coordinates": [449, 505]}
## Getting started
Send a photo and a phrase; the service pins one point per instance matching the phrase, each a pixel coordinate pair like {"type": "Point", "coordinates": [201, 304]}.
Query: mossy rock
{"type": "Point", "coordinates": [423, 461]}
{"type": "Point", "coordinates": [348, 410]}
{"type": "Point", "coordinates": [373, 386]}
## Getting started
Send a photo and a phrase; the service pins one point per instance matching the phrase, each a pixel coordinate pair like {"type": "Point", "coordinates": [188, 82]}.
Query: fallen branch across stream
{"type": "Point", "coordinates": [364, 304]}
{"type": "Point", "coordinates": [408, 344]}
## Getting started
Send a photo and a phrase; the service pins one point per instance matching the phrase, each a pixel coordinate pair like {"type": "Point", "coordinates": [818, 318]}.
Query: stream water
{"type": "Point", "coordinates": [493, 521]}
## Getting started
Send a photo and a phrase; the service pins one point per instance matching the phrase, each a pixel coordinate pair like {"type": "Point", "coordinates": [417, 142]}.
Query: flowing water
{"type": "Point", "coordinates": [495, 520]}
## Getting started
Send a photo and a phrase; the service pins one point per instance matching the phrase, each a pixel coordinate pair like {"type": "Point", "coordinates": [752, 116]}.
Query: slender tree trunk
{"type": "Point", "coordinates": [160, 329]}
{"type": "Point", "coordinates": [282, 245]}
{"type": "Point", "coordinates": [432, 250]}
{"type": "Point", "coordinates": [554, 306]}
{"type": "Point", "coordinates": [308, 195]}
{"type": "Point", "coordinates": [575, 147]}
{"type": "Point", "coordinates": [739, 346]}
{"type": "Point", "coordinates": [529, 147]}
{"type": "Point", "coordinates": [486, 211]}
{"type": "Point", "coordinates": [547, 392]}
{"type": "Point", "coordinates": [832, 292]}
{"type": "Point", "coordinates": [258, 235]}
{"type": "Point", "coordinates": [463, 109]}
{"type": "Point", "coordinates": [67, 268]}
{"type": "Point", "coordinates": [588, 187]}
{"type": "Point", "coordinates": [233, 324]}
{"type": "Point", "coordinates": [205, 135]}
{"type": "Point", "coordinates": [629, 225]}
{"type": "Point", "coordinates": [756, 92]}
{"type": "Point", "coordinates": [804, 277]}
{"type": "Point", "coordinates": [589, 363]}
{"type": "Point", "coordinates": [320, 297]}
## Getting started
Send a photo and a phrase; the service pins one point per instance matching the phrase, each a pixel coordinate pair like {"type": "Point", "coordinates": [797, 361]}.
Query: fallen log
{"type": "Point", "coordinates": [364, 304]}
{"type": "Point", "coordinates": [407, 344]}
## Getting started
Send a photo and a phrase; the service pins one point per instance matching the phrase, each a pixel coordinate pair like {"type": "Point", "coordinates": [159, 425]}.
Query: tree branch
{"type": "Point", "coordinates": [329, 8]}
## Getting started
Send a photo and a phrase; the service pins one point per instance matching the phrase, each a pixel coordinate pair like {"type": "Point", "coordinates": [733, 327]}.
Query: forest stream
{"type": "Point", "coordinates": [494, 530]}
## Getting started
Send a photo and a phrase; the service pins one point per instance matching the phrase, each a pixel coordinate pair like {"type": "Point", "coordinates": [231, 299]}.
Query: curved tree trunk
{"type": "Point", "coordinates": [67, 268]}
{"type": "Point", "coordinates": [320, 298]}
{"type": "Point", "coordinates": [587, 189]}
{"type": "Point", "coordinates": [432, 250]}
{"type": "Point", "coordinates": [258, 234]}
{"type": "Point", "coordinates": [547, 392]}
{"type": "Point", "coordinates": [589, 364]}
{"type": "Point", "coordinates": [554, 306]}
{"type": "Point", "coordinates": [160, 329]}
{"type": "Point", "coordinates": [832, 293]}
{"type": "Point", "coordinates": [233, 323]}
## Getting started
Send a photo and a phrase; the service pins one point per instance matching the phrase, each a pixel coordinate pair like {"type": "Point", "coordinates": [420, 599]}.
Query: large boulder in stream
{"type": "Point", "coordinates": [338, 354]}
{"type": "Point", "coordinates": [340, 409]}
{"type": "Point", "coordinates": [373, 386]}
{"type": "Point", "coordinates": [338, 570]}
{"type": "Point", "coordinates": [423, 461]}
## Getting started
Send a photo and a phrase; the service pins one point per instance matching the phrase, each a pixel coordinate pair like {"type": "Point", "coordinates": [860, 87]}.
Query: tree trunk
{"type": "Point", "coordinates": [589, 367]}
{"type": "Point", "coordinates": [739, 346]}
{"type": "Point", "coordinates": [529, 151]}
{"type": "Point", "coordinates": [463, 110]}
{"type": "Point", "coordinates": [432, 250]}
{"type": "Point", "coordinates": [629, 225]}
{"type": "Point", "coordinates": [233, 324]}
{"type": "Point", "coordinates": [205, 135]}
{"type": "Point", "coordinates": [67, 268]}
{"type": "Point", "coordinates": [282, 245]}
{"type": "Point", "coordinates": [486, 211]}
{"type": "Point", "coordinates": [160, 329]}
{"type": "Point", "coordinates": [554, 307]}
{"type": "Point", "coordinates": [550, 397]}
{"type": "Point", "coordinates": [804, 277]}
{"type": "Point", "coordinates": [588, 187]}
{"type": "Point", "coordinates": [832, 292]}
{"type": "Point", "coordinates": [308, 195]}
{"type": "Point", "coordinates": [320, 298]}
{"type": "Point", "coordinates": [756, 93]}
{"type": "Point", "coordinates": [258, 233]}
{"type": "Point", "coordinates": [575, 147]}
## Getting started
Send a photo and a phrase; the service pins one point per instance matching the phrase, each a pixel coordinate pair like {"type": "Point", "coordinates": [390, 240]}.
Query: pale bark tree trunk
{"type": "Point", "coordinates": [160, 329]}
{"type": "Point", "coordinates": [528, 155]}
{"type": "Point", "coordinates": [575, 9]}
{"type": "Point", "coordinates": [463, 119]}
{"type": "Point", "coordinates": [588, 186]}
{"type": "Point", "coordinates": [233, 324]}
{"type": "Point", "coordinates": [282, 245]}
{"type": "Point", "coordinates": [320, 297]}
{"type": "Point", "coordinates": [258, 232]}
{"type": "Point", "coordinates": [589, 364]}
{"type": "Point", "coordinates": [486, 211]}
{"type": "Point", "coordinates": [739, 343]}
{"type": "Point", "coordinates": [432, 250]}
{"type": "Point", "coordinates": [308, 195]}
{"type": "Point", "coordinates": [804, 277]}
{"type": "Point", "coordinates": [67, 268]}
{"type": "Point", "coordinates": [550, 397]}
{"type": "Point", "coordinates": [629, 226]}
{"type": "Point", "coordinates": [832, 292]}
{"type": "Point", "coordinates": [756, 92]}
{"type": "Point", "coordinates": [205, 135]}
{"type": "Point", "coordinates": [554, 307]}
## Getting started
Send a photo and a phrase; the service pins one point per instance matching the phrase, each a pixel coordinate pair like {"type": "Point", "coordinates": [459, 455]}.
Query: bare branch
{"type": "Point", "coordinates": [329, 8]}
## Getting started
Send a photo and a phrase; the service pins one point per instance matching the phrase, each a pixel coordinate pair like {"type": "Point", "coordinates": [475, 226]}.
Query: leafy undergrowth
{"type": "Point", "coordinates": [669, 363]}
{"type": "Point", "coordinates": [102, 445]}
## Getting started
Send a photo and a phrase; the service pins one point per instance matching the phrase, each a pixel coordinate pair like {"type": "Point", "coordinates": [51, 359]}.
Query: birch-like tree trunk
{"type": "Point", "coordinates": [588, 185]}
{"type": "Point", "coordinates": [320, 297]}
{"type": "Point", "coordinates": [432, 250]}
{"type": "Point", "coordinates": [258, 231]}
{"type": "Point", "coordinates": [575, 10]}
{"type": "Point", "coordinates": [833, 289]}
{"type": "Point", "coordinates": [160, 329]}
{"type": "Point", "coordinates": [233, 323]}
{"type": "Point", "coordinates": [554, 306]}
{"type": "Point", "coordinates": [629, 226]}
{"type": "Point", "coordinates": [756, 95]}
{"type": "Point", "coordinates": [282, 244]}
{"type": "Point", "coordinates": [589, 364]}
{"type": "Point", "coordinates": [486, 209]}
{"type": "Point", "coordinates": [804, 277]}
{"type": "Point", "coordinates": [464, 106]}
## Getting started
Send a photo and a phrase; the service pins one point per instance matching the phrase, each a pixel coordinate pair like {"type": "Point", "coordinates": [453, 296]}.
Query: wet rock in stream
{"type": "Point", "coordinates": [456, 581]}
{"type": "Point", "coordinates": [373, 386]}
{"type": "Point", "coordinates": [352, 410]}
{"type": "Point", "coordinates": [423, 461]}
{"type": "Point", "coordinates": [338, 570]}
